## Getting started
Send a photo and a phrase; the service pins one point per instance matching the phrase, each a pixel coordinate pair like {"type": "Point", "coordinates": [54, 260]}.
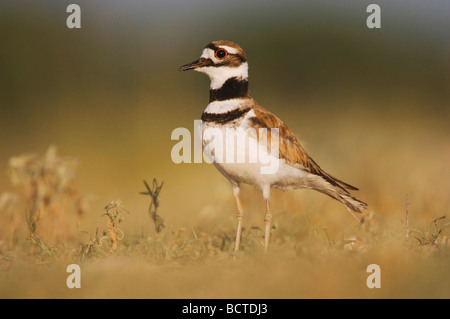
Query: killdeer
{"type": "Point", "coordinates": [232, 109]}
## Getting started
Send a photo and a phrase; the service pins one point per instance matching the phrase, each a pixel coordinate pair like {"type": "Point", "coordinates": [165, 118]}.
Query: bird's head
{"type": "Point", "coordinates": [220, 60]}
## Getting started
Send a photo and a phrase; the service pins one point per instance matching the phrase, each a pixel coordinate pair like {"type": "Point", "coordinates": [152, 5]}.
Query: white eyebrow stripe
{"type": "Point", "coordinates": [229, 49]}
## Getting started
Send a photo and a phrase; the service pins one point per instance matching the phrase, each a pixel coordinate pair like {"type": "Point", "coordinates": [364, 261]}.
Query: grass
{"type": "Point", "coordinates": [432, 235]}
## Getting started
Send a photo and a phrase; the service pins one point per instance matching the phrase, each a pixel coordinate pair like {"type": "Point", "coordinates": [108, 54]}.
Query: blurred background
{"type": "Point", "coordinates": [371, 106]}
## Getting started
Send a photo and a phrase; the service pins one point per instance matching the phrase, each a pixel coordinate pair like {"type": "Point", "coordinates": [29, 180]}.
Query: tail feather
{"type": "Point", "coordinates": [343, 184]}
{"type": "Point", "coordinates": [337, 192]}
{"type": "Point", "coordinates": [353, 203]}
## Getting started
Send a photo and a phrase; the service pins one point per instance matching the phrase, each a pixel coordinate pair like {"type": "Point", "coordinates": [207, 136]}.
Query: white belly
{"type": "Point", "coordinates": [238, 156]}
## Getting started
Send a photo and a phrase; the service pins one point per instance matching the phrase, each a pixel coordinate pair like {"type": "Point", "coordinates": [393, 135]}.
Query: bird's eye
{"type": "Point", "coordinates": [221, 54]}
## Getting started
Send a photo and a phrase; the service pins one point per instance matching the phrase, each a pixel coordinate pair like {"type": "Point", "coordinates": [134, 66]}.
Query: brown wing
{"type": "Point", "coordinates": [290, 148]}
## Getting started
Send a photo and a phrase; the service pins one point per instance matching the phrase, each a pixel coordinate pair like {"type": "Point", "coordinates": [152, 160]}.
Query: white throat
{"type": "Point", "coordinates": [218, 75]}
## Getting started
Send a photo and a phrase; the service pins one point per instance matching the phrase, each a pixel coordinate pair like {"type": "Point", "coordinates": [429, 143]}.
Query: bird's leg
{"type": "Point", "coordinates": [239, 215]}
{"type": "Point", "coordinates": [267, 224]}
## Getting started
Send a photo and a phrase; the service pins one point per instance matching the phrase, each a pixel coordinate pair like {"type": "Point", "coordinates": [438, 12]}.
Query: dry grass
{"type": "Point", "coordinates": [316, 250]}
{"type": "Point", "coordinates": [47, 191]}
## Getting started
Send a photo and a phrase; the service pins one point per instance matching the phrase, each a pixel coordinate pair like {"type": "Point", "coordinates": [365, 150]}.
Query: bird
{"type": "Point", "coordinates": [233, 114]}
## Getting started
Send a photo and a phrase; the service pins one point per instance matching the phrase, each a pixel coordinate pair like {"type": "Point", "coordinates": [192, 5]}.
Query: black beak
{"type": "Point", "coordinates": [194, 65]}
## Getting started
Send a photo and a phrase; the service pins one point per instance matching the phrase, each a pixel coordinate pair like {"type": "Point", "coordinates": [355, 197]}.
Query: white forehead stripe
{"type": "Point", "coordinates": [207, 53]}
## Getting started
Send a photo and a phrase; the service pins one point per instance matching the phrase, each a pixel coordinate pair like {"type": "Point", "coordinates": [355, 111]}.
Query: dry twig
{"type": "Point", "coordinates": [154, 204]}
